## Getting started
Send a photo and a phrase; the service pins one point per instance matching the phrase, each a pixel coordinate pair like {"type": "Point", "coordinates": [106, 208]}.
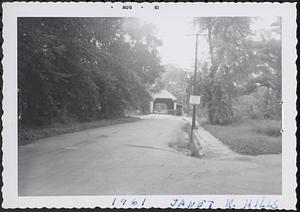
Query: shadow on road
{"type": "Point", "coordinates": [148, 147]}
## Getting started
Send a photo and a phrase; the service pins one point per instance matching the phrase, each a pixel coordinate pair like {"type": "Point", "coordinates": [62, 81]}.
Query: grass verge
{"type": "Point", "coordinates": [181, 143]}
{"type": "Point", "coordinates": [29, 135]}
{"type": "Point", "coordinates": [250, 137]}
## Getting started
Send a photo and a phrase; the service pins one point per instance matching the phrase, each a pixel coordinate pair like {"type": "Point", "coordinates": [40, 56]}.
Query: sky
{"type": "Point", "coordinates": [178, 48]}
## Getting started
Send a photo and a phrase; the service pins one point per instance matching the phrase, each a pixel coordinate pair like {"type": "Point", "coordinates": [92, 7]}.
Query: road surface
{"type": "Point", "coordinates": [135, 159]}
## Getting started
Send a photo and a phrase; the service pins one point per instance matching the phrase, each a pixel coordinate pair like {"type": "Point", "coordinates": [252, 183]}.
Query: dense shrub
{"type": "Point", "coordinates": [257, 106]}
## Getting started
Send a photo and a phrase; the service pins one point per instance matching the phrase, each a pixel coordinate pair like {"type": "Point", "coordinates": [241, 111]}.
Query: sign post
{"type": "Point", "coordinates": [194, 100]}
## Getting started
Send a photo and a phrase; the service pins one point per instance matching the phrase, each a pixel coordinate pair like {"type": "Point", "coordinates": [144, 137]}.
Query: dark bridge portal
{"type": "Point", "coordinates": [168, 102]}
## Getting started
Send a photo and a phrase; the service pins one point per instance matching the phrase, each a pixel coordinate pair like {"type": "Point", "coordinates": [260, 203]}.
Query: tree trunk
{"type": "Point", "coordinates": [212, 73]}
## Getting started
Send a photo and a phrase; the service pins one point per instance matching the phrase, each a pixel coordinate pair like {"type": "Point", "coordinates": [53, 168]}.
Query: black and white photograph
{"type": "Point", "coordinates": [143, 105]}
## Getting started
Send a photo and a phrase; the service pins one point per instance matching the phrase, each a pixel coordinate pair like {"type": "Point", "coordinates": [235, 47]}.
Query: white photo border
{"type": "Point", "coordinates": [11, 11]}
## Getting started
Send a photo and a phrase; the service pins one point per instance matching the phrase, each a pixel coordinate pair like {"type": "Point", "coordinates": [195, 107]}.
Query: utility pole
{"type": "Point", "coordinates": [194, 151]}
{"type": "Point", "coordinates": [195, 87]}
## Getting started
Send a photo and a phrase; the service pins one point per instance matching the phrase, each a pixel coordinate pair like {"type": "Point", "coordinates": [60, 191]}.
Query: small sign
{"type": "Point", "coordinates": [194, 100]}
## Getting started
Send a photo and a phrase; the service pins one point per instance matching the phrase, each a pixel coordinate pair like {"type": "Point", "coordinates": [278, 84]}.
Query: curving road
{"type": "Point", "coordinates": [134, 158]}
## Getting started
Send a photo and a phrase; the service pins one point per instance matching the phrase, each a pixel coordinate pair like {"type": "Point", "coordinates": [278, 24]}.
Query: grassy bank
{"type": "Point", "coordinates": [29, 135]}
{"type": "Point", "coordinates": [181, 143]}
{"type": "Point", "coordinates": [250, 137]}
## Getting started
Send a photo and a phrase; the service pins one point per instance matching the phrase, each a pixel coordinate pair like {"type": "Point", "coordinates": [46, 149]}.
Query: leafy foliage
{"type": "Point", "coordinates": [84, 68]}
{"type": "Point", "coordinates": [239, 65]}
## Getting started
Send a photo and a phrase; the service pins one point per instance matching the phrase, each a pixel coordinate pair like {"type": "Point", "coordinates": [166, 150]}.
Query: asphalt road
{"type": "Point", "coordinates": [135, 159]}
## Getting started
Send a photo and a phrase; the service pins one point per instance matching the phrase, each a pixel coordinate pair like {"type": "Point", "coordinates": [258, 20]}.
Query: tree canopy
{"type": "Point", "coordinates": [84, 68]}
{"type": "Point", "coordinates": [239, 65]}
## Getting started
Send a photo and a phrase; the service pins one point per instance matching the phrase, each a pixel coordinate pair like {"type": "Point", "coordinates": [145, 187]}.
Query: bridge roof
{"type": "Point", "coordinates": [163, 94]}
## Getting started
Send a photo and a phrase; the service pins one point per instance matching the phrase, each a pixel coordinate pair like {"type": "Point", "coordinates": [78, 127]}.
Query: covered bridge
{"type": "Point", "coordinates": [165, 102]}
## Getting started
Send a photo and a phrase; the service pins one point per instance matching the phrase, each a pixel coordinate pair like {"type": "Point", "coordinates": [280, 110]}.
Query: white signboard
{"type": "Point", "coordinates": [194, 100]}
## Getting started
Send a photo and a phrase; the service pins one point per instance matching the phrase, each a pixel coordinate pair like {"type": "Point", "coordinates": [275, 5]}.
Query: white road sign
{"type": "Point", "coordinates": [194, 100]}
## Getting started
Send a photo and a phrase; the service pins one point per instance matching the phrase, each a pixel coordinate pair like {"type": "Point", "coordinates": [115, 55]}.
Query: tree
{"type": "Point", "coordinates": [83, 68]}
{"type": "Point", "coordinates": [268, 71]}
{"type": "Point", "coordinates": [228, 64]}
{"type": "Point", "coordinates": [240, 64]}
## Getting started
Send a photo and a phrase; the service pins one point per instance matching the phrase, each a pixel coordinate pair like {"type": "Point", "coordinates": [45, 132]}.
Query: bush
{"type": "Point", "coordinates": [255, 106]}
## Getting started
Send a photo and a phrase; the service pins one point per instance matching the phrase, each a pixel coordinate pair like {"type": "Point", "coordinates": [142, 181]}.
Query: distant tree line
{"type": "Point", "coordinates": [84, 68]}
{"type": "Point", "coordinates": [174, 79]}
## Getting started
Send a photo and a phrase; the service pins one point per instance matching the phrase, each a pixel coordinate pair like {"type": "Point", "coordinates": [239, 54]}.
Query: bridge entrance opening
{"type": "Point", "coordinates": [165, 103]}
{"type": "Point", "coordinates": [163, 106]}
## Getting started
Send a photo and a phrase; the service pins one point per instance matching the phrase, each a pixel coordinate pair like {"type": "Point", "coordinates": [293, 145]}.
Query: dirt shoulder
{"type": "Point", "coordinates": [29, 135]}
